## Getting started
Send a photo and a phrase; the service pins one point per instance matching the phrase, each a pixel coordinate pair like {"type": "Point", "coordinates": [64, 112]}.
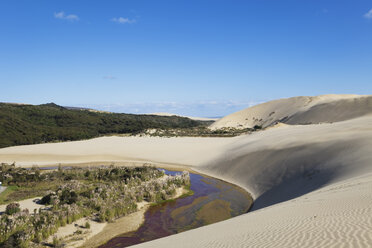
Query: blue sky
{"type": "Point", "coordinates": [199, 57]}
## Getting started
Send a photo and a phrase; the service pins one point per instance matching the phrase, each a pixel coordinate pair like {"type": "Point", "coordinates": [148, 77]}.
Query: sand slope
{"type": "Point", "coordinates": [281, 163]}
{"type": "Point", "coordinates": [185, 150]}
{"type": "Point", "coordinates": [29, 204]}
{"type": "Point", "coordinates": [312, 186]}
{"type": "Point", "coordinates": [299, 110]}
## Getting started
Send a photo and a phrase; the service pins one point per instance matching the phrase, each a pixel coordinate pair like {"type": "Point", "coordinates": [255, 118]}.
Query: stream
{"type": "Point", "coordinates": [213, 200]}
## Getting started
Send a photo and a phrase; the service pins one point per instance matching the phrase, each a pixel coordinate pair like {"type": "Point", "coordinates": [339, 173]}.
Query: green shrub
{"type": "Point", "coordinates": [12, 208]}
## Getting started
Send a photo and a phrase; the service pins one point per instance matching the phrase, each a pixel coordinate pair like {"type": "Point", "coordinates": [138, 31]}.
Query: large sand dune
{"type": "Point", "coordinates": [312, 187]}
{"type": "Point", "coordinates": [299, 110]}
{"type": "Point", "coordinates": [312, 184]}
{"type": "Point", "coordinates": [281, 163]}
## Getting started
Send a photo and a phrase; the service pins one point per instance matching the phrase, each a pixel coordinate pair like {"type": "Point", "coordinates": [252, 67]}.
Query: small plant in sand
{"type": "Point", "coordinates": [87, 225]}
{"type": "Point", "coordinates": [57, 242]}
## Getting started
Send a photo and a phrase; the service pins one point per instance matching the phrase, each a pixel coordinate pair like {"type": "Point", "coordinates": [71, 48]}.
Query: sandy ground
{"type": "Point", "coordinates": [125, 224]}
{"type": "Point", "coordinates": [30, 204]}
{"type": "Point", "coordinates": [74, 240]}
{"type": "Point", "coordinates": [311, 183]}
{"type": "Point", "coordinates": [136, 150]}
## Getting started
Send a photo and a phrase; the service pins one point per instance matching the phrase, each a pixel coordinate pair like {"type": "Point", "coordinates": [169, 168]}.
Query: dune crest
{"type": "Point", "coordinates": [299, 110]}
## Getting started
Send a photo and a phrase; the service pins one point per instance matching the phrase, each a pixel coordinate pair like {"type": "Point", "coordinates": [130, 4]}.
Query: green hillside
{"type": "Point", "coordinates": [32, 124]}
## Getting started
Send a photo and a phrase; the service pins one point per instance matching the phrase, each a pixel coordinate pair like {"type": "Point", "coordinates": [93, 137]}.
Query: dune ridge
{"type": "Point", "coordinates": [299, 110]}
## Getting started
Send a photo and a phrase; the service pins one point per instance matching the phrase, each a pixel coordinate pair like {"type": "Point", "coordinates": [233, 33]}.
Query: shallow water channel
{"type": "Point", "coordinates": [213, 200]}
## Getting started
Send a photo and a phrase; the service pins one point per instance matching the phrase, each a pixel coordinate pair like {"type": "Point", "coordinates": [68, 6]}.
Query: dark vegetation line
{"type": "Point", "coordinates": [33, 124]}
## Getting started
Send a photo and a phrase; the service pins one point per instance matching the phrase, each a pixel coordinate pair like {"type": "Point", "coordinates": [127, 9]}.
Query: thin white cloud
{"type": "Point", "coordinates": [368, 15]}
{"type": "Point", "coordinates": [123, 20]}
{"type": "Point", "coordinates": [109, 77]}
{"type": "Point", "coordinates": [63, 16]}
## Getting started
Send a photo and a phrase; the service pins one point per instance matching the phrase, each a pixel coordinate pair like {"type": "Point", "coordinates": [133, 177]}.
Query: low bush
{"type": "Point", "coordinates": [12, 208]}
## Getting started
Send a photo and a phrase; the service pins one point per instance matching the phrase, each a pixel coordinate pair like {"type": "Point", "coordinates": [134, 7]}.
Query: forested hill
{"type": "Point", "coordinates": [32, 124]}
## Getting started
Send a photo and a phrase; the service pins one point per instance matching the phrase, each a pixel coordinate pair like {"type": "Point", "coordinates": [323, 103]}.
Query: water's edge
{"type": "Point", "coordinates": [213, 200]}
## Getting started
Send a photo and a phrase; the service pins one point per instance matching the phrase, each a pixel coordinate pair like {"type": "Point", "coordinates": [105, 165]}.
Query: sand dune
{"type": "Point", "coordinates": [299, 110]}
{"type": "Point", "coordinates": [272, 163]}
{"type": "Point", "coordinates": [312, 188]}
{"type": "Point", "coordinates": [178, 151]}
{"type": "Point", "coordinates": [311, 183]}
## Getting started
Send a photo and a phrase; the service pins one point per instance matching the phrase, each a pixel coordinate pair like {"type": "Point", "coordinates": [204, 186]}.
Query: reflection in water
{"type": "Point", "coordinates": [213, 200]}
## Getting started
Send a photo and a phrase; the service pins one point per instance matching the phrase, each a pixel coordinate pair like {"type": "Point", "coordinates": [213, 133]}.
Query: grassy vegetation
{"type": "Point", "coordinates": [5, 195]}
{"type": "Point", "coordinates": [200, 131]}
{"type": "Point", "coordinates": [188, 192]}
{"type": "Point", "coordinates": [32, 124]}
{"type": "Point", "coordinates": [18, 193]}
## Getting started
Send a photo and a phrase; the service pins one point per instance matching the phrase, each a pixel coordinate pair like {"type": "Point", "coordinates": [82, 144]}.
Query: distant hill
{"type": "Point", "coordinates": [22, 124]}
{"type": "Point", "coordinates": [211, 119]}
{"type": "Point", "coordinates": [300, 110]}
